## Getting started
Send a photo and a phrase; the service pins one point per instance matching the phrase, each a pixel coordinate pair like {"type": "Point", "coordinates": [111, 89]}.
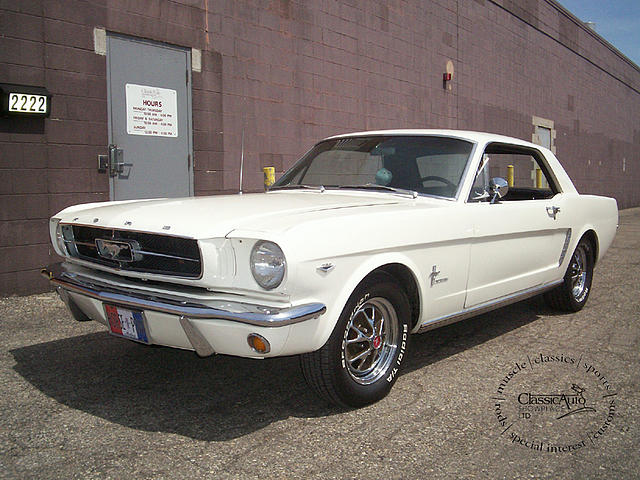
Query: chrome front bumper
{"type": "Point", "coordinates": [66, 281]}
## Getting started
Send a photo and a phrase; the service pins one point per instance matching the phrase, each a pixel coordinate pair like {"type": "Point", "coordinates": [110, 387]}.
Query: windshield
{"type": "Point", "coordinates": [427, 165]}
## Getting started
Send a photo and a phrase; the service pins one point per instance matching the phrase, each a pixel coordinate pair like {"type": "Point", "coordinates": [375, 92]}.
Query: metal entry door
{"type": "Point", "coordinates": [149, 119]}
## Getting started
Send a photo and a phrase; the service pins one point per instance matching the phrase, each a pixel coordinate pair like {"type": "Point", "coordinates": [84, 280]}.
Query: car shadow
{"type": "Point", "coordinates": [216, 398]}
{"type": "Point", "coordinates": [435, 345]}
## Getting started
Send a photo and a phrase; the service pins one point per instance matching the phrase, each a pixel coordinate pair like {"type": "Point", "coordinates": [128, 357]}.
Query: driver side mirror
{"type": "Point", "coordinates": [498, 188]}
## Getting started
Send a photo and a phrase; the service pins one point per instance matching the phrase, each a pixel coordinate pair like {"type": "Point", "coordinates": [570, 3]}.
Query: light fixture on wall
{"type": "Point", "coordinates": [447, 76]}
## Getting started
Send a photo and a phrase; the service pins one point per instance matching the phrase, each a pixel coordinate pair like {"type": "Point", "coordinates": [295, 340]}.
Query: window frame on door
{"type": "Point", "coordinates": [499, 148]}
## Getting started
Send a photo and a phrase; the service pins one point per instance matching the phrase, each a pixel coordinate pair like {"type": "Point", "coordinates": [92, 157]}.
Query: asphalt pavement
{"type": "Point", "coordinates": [522, 392]}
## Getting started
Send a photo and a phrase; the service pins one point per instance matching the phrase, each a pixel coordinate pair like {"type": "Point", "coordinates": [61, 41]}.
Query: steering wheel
{"type": "Point", "coordinates": [439, 179]}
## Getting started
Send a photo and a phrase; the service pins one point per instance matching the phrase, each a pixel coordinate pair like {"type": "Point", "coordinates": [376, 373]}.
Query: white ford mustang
{"type": "Point", "coordinates": [369, 238]}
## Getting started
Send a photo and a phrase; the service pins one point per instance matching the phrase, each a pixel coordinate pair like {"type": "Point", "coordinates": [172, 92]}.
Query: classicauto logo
{"type": "Point", "coordinates": [554, 403]}
{"type": "Point", "coordinates": [573, 402]}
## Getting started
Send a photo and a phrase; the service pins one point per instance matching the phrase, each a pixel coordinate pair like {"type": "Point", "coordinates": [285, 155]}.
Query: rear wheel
{"type": "Point", "coordinates": [574, 291]}
{"type": "Point", "coordinates": [359, 363]}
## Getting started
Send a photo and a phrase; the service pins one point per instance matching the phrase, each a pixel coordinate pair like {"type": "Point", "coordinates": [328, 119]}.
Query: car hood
{"type": "Point", "coordinates": [217, 216]}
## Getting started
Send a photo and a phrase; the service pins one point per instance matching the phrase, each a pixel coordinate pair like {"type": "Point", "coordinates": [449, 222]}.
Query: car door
{"type": "Point", "coordinates": [518, 240]}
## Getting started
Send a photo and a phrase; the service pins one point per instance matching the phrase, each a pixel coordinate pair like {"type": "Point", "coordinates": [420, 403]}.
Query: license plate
{"type": "Point", "coordinates": [126, 323]}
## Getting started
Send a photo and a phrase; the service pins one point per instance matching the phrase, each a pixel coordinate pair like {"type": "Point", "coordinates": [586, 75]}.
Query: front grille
{"type": "Point", "coordinates": [142, 252]}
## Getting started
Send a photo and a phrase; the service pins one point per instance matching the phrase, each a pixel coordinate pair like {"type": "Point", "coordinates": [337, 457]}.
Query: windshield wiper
{"type": "Point", "coordinates": [368, 186]}
{"type": "Point", "coordinates": [386, 188]}
{"type": "Point", "coordinates": [319, 188]}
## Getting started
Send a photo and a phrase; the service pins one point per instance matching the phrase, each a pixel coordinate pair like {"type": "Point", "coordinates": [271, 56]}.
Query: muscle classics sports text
{"type": "Point", "coordinates": [540, 359]}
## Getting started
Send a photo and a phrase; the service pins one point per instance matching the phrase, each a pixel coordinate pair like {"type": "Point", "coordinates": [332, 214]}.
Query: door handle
{"type": "Point", "coordinates": [116, 162]}
{"type": "Point", "coordinates": [553, 211]}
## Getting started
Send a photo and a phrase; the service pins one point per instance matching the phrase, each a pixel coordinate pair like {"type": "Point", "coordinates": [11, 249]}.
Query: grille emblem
{"type": "Point", "coordinates": [114, 250]}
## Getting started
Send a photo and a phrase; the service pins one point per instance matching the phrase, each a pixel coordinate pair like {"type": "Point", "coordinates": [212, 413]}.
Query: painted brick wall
{"type": "Point", "coordinates": [299, 71]}
{"type": "Point", "coordinates": [543, 63]}
{"type": "Point", "coordinates": [291, 72]}
{"type": "Point", "coordinates": [46, 165]}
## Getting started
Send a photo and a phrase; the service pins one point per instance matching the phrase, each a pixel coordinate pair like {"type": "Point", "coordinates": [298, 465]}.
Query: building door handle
{"type": "Point", "coordinates": [116, 162]}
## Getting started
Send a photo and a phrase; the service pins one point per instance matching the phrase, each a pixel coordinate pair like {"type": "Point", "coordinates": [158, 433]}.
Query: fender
{"type": "Point", "coordinates": [355, 278]}
{"type": "Point", "coordinates": [603, 222]}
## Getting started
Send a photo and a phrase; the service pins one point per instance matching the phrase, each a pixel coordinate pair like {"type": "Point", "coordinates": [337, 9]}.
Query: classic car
{"type": "Point", "coordinates": [369, 238]}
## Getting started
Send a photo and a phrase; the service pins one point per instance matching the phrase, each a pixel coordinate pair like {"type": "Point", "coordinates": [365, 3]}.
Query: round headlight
{"type": "Point", "coordinates": [267, 264]}
{"type": "Point", "coordinates": [58, 239]}
{"type": "Point", "coordinates": [63, 238]}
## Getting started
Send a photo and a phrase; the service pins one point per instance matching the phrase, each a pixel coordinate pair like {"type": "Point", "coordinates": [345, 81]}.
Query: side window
{"type": "Point", "coordinates": [522, 168]}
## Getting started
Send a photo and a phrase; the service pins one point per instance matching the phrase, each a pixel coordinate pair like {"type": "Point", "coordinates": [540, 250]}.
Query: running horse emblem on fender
{"type": "Point", "coordinates": [434, 274]}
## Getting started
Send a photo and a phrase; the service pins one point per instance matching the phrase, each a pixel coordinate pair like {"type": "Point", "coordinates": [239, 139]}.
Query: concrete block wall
{"type": "Point", "coordinates": [295, 72]}
{"type": "Point", "coordinates": [46, 165]}
{"type": "Point", "coordinates": [546, 64]}
{"type": "Point", "coordinates": [289, 72]}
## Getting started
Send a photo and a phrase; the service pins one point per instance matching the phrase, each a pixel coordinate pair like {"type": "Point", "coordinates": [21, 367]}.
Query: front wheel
{"type": "Point", "coordinates": [360, 362]}
{"type": "Point", "coordinates": [574, 291]}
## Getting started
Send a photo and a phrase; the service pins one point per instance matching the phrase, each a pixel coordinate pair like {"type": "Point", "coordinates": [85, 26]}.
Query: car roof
{"type": "Point", "coordinates": [476, 137]}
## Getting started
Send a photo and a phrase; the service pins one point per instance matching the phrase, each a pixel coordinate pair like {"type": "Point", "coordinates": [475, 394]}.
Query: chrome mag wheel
{"type": "Point", "coordinates": [371, 340]}
{"type": "Point", "coordinates": [572, 294]}
{"type": "Point", "coordinates": [361, 360]}
{"type": "Point", "coordinates": [578, 273]}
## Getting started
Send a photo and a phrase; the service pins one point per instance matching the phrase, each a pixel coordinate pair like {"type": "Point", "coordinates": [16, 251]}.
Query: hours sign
{"type": "Point", "coordinates": [151, 111]}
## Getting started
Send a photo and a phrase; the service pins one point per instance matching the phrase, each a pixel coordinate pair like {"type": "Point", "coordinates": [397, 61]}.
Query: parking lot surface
{"type": "Point", "coordinates": [79, 403]}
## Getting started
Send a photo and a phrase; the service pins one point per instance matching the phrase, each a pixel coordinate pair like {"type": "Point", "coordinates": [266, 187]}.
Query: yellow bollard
{"type": "Point", "coordinates": [510, 175]}
{"type": "Point", "coordinates": [538, 178]}
{"type": "Point", "coordinates": [269, 177]}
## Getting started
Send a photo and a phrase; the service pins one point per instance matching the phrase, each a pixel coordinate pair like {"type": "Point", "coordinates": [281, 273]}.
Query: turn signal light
{"type": "Point", "coordinates": [258, 343]}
